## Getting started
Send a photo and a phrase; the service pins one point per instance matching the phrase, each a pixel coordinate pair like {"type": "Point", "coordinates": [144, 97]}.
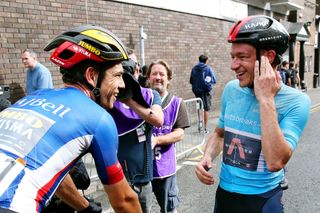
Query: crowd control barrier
{"type": "Point", "coordinates": [193, 140]}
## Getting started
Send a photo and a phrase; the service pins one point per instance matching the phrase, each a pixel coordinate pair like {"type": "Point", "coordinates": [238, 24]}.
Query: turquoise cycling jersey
{"type": "Point", "coordinates": [244, 169]}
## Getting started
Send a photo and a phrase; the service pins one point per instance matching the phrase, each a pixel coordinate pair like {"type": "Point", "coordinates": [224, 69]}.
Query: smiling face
{"type": "Point", "coordinates": [243, 61]}
{"type": "Point", "coordinates": [110, 85]}
{"type": "Point", "coordinates": [158, 78]}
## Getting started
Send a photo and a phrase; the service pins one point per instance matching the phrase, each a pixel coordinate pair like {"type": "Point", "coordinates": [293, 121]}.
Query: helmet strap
{"type": "Point", "coordinates": [96, 90]}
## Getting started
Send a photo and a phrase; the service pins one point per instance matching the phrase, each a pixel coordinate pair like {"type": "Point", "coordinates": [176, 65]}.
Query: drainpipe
{"type": "Point", "coordinates": [143, 36]}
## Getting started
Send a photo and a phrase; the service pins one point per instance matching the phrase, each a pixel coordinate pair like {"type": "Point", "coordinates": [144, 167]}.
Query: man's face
{"type": "Point", "coordinates": [243, 61]}
{"type": "Point", "coordinates": [158, 78]}
{"type": "Point", "coordinates": [110, 85]}
{"type": "Point", "coordinates": [28, 60]}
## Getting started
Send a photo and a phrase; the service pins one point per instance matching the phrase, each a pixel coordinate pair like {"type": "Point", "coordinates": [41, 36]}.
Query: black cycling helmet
{"type": "Point", "coordinates": [262, 32]}
{"type": "Point", "coordinates": [86, 42]}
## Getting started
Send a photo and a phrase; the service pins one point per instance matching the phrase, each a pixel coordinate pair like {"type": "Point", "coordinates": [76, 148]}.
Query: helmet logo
{"type": "Point", "coordinates": [57, 61]}
{"type": "Point", "coordinates": [270, 38]}
{"type": "Point", "coordinates": [257, 25]}
{"type": "Point", "coordinates": [80, 50]}
{"type": "Point", "coordinates": [89, 47]}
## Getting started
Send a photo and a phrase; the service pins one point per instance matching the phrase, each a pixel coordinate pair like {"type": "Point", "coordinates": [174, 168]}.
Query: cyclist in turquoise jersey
{"type": "Point", "coordinates": [260, 123]}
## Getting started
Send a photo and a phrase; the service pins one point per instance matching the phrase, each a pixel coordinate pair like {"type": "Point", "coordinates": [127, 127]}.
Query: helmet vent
{"type": "Point", "coordinates": [66, 54]}
{"type": "Point", "coordinates": [72, 34]}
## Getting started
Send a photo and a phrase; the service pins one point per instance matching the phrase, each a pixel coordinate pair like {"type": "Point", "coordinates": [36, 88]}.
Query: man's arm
{"type": "Point", "coordinates": [213, 75]}
{"type": "Point", "coordinates": [175, 136]}
{"type": "Point", "coordinates": [122, 198]}
{"type": "Point", "coordinates": [298, 79]}
{"type": "Point", "coordinates": [275, 149]}
{"type": "Point", "coordinates": [67, 191]}
{"type": "Point", "coordinates": [153, 115]}
{"type": "Point", "coordinates": [213, 148]}
{"type": "Point", "coordinates": [190, 79]}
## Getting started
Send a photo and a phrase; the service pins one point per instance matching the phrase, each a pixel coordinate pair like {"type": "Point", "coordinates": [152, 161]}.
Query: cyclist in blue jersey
{"type": "Point", "coordinates": [260, 123]}
{"type": "Point", "coordinates": [44, 134]}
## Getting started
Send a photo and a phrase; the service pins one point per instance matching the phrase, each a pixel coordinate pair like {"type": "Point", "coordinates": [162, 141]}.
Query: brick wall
{"type": "Point", "coordinates": [178, 38]}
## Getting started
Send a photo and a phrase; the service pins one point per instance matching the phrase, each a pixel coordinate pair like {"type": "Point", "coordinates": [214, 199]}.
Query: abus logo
{"type": "Point", "coordinates": [57, 60]}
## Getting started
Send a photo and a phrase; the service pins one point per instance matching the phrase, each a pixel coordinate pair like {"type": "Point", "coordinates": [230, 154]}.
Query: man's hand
{"type": "Point", "coordinates": [268, 83]}
{"type": "Point", "coordinates": [153, 141]}
{"type": "Point", "coordinates": [92, 208]}
{"type": "Point", "coordinates": [202, 171]}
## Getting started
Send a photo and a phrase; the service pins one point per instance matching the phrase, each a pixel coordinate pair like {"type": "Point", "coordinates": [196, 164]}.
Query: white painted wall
{"type": "Point", "coordinates": [223, 9]}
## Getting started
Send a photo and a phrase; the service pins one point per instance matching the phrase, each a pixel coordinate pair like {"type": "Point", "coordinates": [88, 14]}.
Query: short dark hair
{"type": "Point", "coordinates": [203, 58]}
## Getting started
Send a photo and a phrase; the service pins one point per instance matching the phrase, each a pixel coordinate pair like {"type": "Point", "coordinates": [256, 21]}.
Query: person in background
{"type": "Point", "coordinates": [164, 182]}
{"type": "Point", "coordinates": [294, 75]}
{"type": "Point", "coordinates": [60, 126]}
{"type": "Point", "coordinates": [260, 123]}
{"type": "Point", "coordinates": [202, 79]}
{"type": "Point", "coordinates": [38, 76]}
{"type": "Point", "coordinates": [286, 71]}
{"type": "Point", "coordinates": [282, 74]}
{"type": "Point", "coordinates": [143, 76]}
{"type": "Point", "coordinates": [136, 111]}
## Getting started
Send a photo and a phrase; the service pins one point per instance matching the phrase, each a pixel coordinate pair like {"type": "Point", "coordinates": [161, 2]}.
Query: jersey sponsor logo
{"type": "Point", "coordinates": [56, 109]}
{"type": "Point", "coordinates": [81, 50]}
{"type": "Point", "coordinates": [241, 120]}
{"type": "Point", "coordinates": [22, 129]}
{"type": "Point", "coordinates": [242, 151]}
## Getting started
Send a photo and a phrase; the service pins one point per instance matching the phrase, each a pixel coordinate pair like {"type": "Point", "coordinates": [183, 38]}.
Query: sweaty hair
{"type": "Point", "coordinates": [75, 74]}
{"type": "Point", "coordinates": [203, 58]}
{"type": "Point", "coordinates": [31, 52]}
{"type": "Point", "coordinates": [163, 63]}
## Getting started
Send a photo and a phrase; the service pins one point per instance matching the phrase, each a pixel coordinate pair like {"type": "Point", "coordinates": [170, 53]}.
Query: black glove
{"type": "Point", "coordinates": [92, 208]}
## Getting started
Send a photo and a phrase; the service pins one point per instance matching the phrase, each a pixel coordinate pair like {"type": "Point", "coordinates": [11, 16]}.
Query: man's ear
{"type": "Point", "coordinates": [91, 75]}
{"type": "Point", "coordinates": [271, 54]}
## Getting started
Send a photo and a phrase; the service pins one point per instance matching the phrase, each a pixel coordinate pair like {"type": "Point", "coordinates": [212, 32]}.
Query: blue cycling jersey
{"type": "Point", "coordinates": [41, 138]}
{"type": "Point", "coordinates": [244, 168]}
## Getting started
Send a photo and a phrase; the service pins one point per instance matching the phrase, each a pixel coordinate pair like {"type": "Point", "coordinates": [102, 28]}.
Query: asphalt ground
{"type": "Point", "coordinates": [195, 196]}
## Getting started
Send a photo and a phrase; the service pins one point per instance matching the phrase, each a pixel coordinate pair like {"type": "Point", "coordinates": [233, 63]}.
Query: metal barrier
{"type": "Point", "coordinates": [194, 136]}
{"type": "Point", "coordinates": [193, 140]}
